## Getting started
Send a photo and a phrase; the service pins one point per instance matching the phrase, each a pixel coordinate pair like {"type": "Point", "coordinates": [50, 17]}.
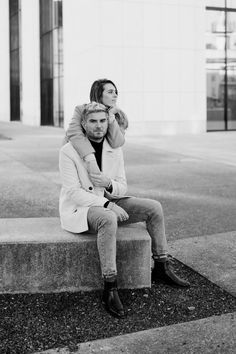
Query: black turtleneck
{"type": "Point", "coordinates": [98, 152]}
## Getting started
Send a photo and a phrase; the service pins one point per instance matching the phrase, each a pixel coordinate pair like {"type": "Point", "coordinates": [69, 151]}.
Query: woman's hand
{"type": "Point", "coordinates": [120, 212]}
{"type": "Point", "coordinates": [99, 179]}
{"type": "Point", "coordinates": [113, 110]}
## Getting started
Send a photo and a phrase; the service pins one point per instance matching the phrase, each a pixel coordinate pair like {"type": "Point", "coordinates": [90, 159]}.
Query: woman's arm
{"type": "Point", "coordinates": [76, 134]}
{"type": "Point", "coordinates": [115, 135]}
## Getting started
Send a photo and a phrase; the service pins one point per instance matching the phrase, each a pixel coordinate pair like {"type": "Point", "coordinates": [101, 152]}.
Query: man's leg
{"type": "Point", "coordinates": [150, 211]}
{"type": "Point", "coordinates": [104, 222]}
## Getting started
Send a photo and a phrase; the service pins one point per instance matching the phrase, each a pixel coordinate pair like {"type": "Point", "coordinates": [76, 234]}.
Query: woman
{"type": "Point", "coordinates": [102, 91]}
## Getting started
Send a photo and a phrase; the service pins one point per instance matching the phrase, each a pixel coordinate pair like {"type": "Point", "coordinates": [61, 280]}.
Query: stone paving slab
{"type": "Point", "coordinates": [213, 256]}
{"type": "Point", "coordinates": [213, 335]}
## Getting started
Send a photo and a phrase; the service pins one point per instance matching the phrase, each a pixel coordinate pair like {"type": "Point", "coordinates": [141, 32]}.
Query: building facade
{"type": "Point", "coordinates": [173, 61]}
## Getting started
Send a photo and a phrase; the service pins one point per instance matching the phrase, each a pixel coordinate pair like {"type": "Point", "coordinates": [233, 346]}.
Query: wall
{"type": "Point", "coordinates": [154, 50]}
{"type": "Point", "coordinates": [30, 62]}
{"type": "Point", "coordinates": [5, 64]}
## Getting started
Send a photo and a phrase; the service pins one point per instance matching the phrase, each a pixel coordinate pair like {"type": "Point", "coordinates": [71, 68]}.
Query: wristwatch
{"type": "Point", "coordinates": [109, 187]}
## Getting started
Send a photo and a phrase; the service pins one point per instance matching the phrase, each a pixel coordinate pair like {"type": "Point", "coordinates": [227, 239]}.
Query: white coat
{"type": "Point", "coordinates": [77, 192]}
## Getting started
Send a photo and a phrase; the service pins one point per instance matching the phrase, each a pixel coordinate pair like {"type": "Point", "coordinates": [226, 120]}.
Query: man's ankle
{"type": "Point", "coordinates": [162, 258]}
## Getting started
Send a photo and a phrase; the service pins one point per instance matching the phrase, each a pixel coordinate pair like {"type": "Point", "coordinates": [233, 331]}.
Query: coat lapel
{"type": "Point", "coordinates": [108, 159]}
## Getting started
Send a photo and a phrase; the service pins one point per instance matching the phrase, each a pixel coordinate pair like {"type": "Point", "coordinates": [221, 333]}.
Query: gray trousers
{"type": "Point", "coordinates": [103, 221]}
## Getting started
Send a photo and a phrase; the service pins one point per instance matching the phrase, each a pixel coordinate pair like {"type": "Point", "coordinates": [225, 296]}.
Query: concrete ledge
{"type": "Point", "coordinates": [36, 255]}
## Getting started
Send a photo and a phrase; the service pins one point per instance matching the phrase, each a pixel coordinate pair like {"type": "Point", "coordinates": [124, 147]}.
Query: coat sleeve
{"type": "Point", "coordinates": [72, 185]}
{"type": "Point", "coordinates": [76, 134]}
{"type": "Point", "coordinates": [115, 134]}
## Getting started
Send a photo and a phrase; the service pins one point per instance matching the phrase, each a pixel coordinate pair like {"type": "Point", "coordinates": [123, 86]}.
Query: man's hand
{"type": "Point", "coordinates": [99, 179]}
{"type": "Point", "coordinates": [120, 212]}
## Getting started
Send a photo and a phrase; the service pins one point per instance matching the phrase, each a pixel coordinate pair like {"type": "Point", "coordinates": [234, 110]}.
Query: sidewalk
{"type": "Point", "coordinates": [192, 176]}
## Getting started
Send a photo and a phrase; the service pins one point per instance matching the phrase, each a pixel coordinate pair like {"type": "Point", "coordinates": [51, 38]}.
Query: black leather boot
{"type": "Point", "coordinates": [111, 300]}
{"type": "Point", "coordinates": [162, 271]}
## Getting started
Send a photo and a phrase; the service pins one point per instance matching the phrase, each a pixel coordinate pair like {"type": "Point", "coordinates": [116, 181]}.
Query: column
{"type": "Point", "coordinates": [5, 62]}
{"type": "Point", "coordinates": [30, 59]}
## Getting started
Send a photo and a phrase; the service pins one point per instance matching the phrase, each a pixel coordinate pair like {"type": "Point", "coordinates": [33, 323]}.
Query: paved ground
{"type": "Point", "coordinates": [193, 177]}
{"type": "Point", "coordinates": [214, 335]}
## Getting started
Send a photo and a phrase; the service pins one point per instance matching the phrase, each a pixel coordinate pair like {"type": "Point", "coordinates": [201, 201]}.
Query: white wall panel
{"type": "Point", "coordinates": [171, 70]}
{"type": "Point", "coordinates": [30, 62]}
{"type": "Point", "coordinates": [133, 23]}
{"type": "Point", "coordinates": [170, 26]}
{"type": "Point", "coordinates": [153, 106]}
{"type": "Point", "coordinates": [5, 62]}
{"type": "Point", "coordinates": [152, 32]}
{"type": "Point", "coordinates": [153, 50]}
{"type": "Point", "coordinates": [153, 68]}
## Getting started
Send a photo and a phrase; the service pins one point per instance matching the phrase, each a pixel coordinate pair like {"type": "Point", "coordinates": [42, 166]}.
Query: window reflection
{"type": "Point", "coordinates": [231, 3]}
{"type": "Point", "coordinates": [231, 69]}
{"type": "Point", "coordinates": [221, 70]}
{"type": "Point", "coordinates": [215, 48]}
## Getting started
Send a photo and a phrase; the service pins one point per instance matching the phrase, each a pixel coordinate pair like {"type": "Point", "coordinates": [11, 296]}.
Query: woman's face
{"type": "Point", "coordinates": [109, 95]}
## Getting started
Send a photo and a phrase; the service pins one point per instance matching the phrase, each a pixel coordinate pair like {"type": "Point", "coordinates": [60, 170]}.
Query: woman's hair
{"type": "Point", "coordinates": [96, 92]}
{"type": "Point", "coordinates": [97, 89]}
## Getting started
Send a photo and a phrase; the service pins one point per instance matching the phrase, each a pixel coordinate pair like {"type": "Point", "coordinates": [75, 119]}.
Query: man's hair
{"type": "Point", "coordinates": [93, 107]}
{"type": "Point", "coordinates": [97, 89]}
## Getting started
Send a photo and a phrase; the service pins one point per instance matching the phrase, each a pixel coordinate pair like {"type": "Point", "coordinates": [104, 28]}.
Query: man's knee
{"type": "Point", "coordinates": [108, 219]}
{"type": "Point", "coordinates": [155, 207]}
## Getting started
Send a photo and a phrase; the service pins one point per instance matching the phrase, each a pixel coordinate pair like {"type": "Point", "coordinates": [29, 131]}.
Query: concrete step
{"type": "Point", "coordinates": [36, 255]}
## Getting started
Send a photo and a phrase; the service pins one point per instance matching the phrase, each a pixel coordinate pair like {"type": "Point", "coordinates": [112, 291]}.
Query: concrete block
{"type": "Point", "coordinates": [36, 255]}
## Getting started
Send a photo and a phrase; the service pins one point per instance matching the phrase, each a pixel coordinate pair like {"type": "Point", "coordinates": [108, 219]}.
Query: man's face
{"type": "Point", "coordinates": [96, 126]}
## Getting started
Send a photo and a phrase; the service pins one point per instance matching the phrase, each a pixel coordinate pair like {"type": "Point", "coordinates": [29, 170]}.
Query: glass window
{"type": "Point", "coordinates": [221, 69]}
{"type": "Point", "coordinates": [215, 65]}
{"type": "Point", "coordinates": [231, 70]}
{"type": "Point", "coordinates": [231, 4]}
{"type": "Point", "coordinates": [51, 62]}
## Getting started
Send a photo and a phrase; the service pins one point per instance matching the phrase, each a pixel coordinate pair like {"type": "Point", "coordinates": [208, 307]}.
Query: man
{"type": "Point", "coordinates": [97, 202]}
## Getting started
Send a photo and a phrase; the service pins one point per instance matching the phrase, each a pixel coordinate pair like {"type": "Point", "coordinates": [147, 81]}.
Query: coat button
{"type": "Point", "coordinates": [90, 188]}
